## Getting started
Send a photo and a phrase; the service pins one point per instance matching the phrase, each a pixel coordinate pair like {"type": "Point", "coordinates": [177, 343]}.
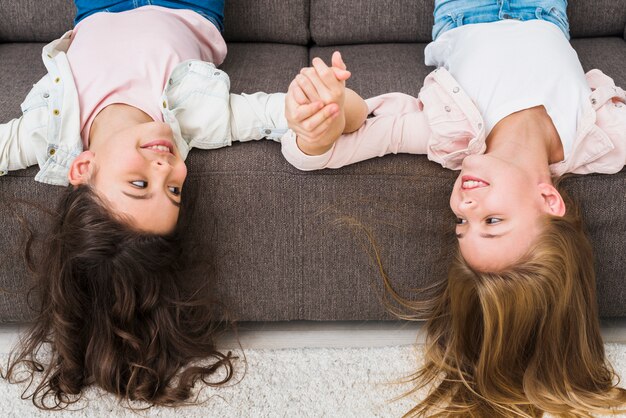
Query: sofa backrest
{"type": "Point", "coordinates": [336, 22]}
{"type": "Point", "coordinates": [35, 20]}
{"type": "Point", "coordinates": [332, 22]}
{"type": "Point", "coordinates": [282, 21]}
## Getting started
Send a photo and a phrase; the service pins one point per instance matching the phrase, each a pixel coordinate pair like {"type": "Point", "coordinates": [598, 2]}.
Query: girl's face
{"type": "Point", "coordinates": [498, 211]}
{"type": "Point", "coordinates": [140, 173]}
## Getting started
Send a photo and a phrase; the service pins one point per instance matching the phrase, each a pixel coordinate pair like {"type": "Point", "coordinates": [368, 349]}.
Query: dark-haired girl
{"type": "Point", "coordinates": [128, 93]}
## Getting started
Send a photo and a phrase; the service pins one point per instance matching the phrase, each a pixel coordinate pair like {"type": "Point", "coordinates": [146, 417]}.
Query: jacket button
{"type": "Point", "coordinates": [268, 131]}
{"type": "Point", "coordinates": [455, 90]}
{"type": "Point", "coordinates": [57, 80]}
{"type": "Point", "coordinates": [593, 101]}
{"type": "Point", "coordinates": [56, 112]}
{"type": "Point", "coordinates": [46, 95]}
{"type": "Point", "coordinates": [52, 151]}
{"type": "Point", "coordinates": [447, 108]}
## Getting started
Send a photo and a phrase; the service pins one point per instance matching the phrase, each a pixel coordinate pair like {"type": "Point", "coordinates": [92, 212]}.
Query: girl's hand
{"type": "Point", "coordinates": [314, 105]}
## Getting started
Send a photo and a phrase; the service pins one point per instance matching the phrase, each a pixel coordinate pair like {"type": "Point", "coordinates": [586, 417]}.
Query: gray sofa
{"type": "Point", "coordinates": [278, 239]}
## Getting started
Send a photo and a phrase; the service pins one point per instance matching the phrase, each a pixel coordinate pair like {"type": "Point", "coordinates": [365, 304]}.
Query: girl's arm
{"type": "Point", "coordinates": [18, 144]}
{"type": "Point", "coordinates": [256, 116]}
{"type": "Point", "coordinates": [398, 125]}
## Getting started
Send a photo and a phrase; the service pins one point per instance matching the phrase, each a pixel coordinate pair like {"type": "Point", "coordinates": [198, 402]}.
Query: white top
{"type": "Point", "coordinates": [127, 57]}
{"type": "Point", "coordinates": [510, 65]}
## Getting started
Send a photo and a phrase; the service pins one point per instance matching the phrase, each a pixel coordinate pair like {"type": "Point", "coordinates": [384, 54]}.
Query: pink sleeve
{"type": "Point", "coordinates": [399, 125]}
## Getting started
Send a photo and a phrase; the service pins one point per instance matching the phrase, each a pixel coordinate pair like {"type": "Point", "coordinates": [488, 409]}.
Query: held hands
{"type": "Point", "coordinates": [314, 105]}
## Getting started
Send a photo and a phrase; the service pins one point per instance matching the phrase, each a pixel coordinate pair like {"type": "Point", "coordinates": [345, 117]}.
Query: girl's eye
{"type": "Point", "coordinates": [493, 221]}
{"type": "Point", "coordinates": [460, 221]}
{"type": "Point", "coordinates": [174, 190]}
{"type": "Point", "coordinates": [139, 184]}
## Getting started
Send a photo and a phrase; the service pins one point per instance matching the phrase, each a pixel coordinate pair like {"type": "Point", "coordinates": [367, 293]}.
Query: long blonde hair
{"type": "Point", "coordinates": [519, 342]}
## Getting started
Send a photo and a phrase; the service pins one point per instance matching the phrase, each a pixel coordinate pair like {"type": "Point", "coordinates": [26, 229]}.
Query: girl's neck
{"type": "Point", "coordinates": [527, 139]}
{"type": "Point", "coordinates": [113, 118]}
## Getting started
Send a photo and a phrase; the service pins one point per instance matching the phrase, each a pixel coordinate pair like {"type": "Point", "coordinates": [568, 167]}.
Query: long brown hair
{"type": "Point", "coordinates": [519, 342]}
{"type": "Point", "coordinates": [116, 308]}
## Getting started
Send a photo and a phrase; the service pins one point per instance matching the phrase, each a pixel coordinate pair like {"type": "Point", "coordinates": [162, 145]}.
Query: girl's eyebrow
{"type": "Point", "coordinates": [148, 196]}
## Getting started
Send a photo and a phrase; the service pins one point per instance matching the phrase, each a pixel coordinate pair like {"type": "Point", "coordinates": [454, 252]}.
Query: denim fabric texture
{"type": "Point", "coordinates": [213, 10]}
{"type": "Point", "coordinates": [450, 14]}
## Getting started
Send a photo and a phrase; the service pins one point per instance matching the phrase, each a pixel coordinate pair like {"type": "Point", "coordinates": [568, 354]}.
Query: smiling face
{"type": "Point", "coordinates": [139, 172]}
{"type": "Point", "coordinates": [499, 211]}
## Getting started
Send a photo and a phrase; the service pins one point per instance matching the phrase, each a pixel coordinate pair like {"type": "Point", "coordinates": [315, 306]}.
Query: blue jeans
{"type": "Point", "coordinates": [451, 14]}
{"type": "Point", "coordinates": [210, 9]}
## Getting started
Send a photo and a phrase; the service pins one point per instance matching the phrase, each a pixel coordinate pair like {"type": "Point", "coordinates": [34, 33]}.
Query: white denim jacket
{"type": "Point", "coordinates": [196, 103]}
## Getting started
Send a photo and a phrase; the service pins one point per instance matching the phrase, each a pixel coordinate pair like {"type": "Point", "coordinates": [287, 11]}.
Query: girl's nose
{"type": "Point", "coordinates": [467, 203]}
{"type": "Point", "coordinates": [160, 163]}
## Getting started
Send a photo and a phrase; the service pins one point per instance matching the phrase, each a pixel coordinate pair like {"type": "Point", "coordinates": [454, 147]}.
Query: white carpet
{"type": "Point", "coordinates": [300, 382]}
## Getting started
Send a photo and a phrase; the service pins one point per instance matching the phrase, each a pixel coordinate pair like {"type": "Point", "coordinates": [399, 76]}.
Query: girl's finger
{"type": "Point", "coordinates": [305, 111]}
{"type": "Point", "coordinates": [323, 88]}
{"type": "Point", "coordinates": [329, 111]}
{"type": "Point", "coordinates": [298, 94]}
{"type": "Point", "coordinates": [323, 126]}
{"type": "Point", "coordinates": [337, 61]}
{"type": "Point", "coordinates": [339, 67]}
{"type": "Point", "coordinates": [325, 73]}
{"type": "Point", "coordinates": [341, 75]}
{"type": "Point", "coordinates": [308, 88]}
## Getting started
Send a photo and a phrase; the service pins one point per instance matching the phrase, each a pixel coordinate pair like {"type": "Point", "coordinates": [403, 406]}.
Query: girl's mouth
{"type": "Point", "coordinates": [160, 145]}
{"type": "Point", "coordinates": [470, 182]}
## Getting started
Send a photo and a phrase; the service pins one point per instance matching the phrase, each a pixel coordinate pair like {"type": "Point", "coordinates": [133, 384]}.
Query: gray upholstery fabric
{"type": "Point", "coordinates": [381, 68]}
{"type": "Point", "coordinates": [602, 200]}
{"type": "Point", "coordinates": [596, 18]}
{"type": "Point", "coordinates": [366, 21]}
{"type": "Point", "coordinates": [35, 20]}
{"type": "Point", "coordinates": [284, 21]}
{"type": "Point", "coordinates": [14, 276]}
{"type": "Point", "coordinates": [606, 54]}
{"type": "Point", "coordinates": [262, 66]}
{"type": "Point", "coordinates": [20, 68]}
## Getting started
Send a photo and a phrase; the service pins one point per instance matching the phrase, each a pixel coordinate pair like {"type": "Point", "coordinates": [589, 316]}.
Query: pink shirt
{"type": "Point", "coordinates": [444, 123]}
{"type": "Point", "coordinates": [128, 57]}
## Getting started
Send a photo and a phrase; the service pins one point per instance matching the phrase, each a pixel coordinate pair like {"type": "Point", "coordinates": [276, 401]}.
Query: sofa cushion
{"type": "Point", "coordinates": [284, 21]}
{"type": "Point", "coordinates": [596, 18]}
{"type": "Point", "coordinates": [282, 242]}
{"type": "Point", "coordinates": [267, 67]}
{"type": "Point", "coordinates": [20, 68]}
{"type": "Point", "coordinates": [381, 68]}
{"type": "Point", "coordinates": [607, 54]}
{"type": "Point", "coordinates": [35, 20]}
{"type": "Point", "coordinates": [359, 21]}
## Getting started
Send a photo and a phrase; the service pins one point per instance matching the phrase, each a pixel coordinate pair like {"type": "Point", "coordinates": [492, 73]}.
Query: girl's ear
{"type": "Point", "coordinates": [552, 201]}
{"type": "Point", "coordinates": [81, 168]}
